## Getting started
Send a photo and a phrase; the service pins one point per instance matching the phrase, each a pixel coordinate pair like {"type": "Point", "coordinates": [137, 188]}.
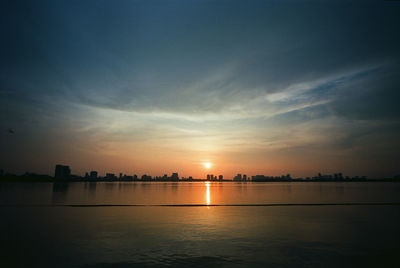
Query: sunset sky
{"type": "Point", "coordinates": [255, 87]}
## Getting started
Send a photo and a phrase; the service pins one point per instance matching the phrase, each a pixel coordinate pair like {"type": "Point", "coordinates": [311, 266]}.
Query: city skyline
{"type": "Point", "coordinates": [64, 173]}
{"type": "Point", "coordinates": [264, 87]}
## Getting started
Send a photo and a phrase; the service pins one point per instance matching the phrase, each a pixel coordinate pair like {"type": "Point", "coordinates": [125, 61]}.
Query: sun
{"type": "Point", "coordinates": [207, 165]}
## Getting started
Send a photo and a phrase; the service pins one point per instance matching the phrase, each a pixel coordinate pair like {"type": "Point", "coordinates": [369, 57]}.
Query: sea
{"type": "Point", "coordinates": [200, 224]}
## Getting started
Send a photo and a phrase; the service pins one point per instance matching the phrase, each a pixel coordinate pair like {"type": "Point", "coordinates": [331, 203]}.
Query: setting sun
{"type": "Point", "coordinates": [207, 165]}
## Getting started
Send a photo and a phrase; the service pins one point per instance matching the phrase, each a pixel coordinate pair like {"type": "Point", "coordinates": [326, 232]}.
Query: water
{"type": "Point", "coordinates": [66, 225]}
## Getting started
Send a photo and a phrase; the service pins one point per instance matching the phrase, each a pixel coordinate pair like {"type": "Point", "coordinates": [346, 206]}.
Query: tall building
{"type": "Point", "coordinates": [220, 177]}
{"type": "Point", "coordinates": [238, 177]}
{"type": "Point", "coordinates": [174, 176]}
{"type": "Point", "coordinates": [93, 174]}
{"type": "Point", "coordinates": [62, 172]}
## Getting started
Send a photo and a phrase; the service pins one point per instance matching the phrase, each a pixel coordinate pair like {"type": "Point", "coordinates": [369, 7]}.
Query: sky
{"type": "Point", "coordinates": [253, 87]}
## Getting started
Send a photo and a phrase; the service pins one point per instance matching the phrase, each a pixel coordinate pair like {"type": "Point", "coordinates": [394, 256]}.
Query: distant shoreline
{"type": "Point", "coordinates": [49, 179]}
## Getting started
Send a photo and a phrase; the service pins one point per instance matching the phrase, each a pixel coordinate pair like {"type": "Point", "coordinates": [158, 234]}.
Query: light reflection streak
{"type": "Point", "coordinates": [208, 199]}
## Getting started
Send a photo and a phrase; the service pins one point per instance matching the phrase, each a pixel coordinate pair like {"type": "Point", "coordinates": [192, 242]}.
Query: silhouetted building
{"type": "Point", "coordinates": [127, 178]}
{"type": "Point", "coordinates": [258, 178]}
{"type": "Point", "coordinates": [110, 177]}
{"type": "Point", "coordinates": [220, 177]}
{"type": "Point", "coordinates": [146, 177]}
{"type": "Point", "coordinates": [93, 175]}
{"type": "Point", "coordinates": [62, 172]}
{"type": "Point", "coordinates": [264, 178]}
{"type": "Point", "coordinates": [245, 177]}
{"type": "Point", "coordinates": [238, 177]}
{"type": "Point", "coordinates": [287, 177]}
{"type": "Point", "coordinates": [211, 177]}
{"type": "Point", "coordinates": [175, 176]}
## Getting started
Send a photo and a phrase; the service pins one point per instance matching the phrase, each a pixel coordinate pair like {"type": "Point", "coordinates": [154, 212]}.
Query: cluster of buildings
{"type": "Point", "coordinates": [239, 177]}
{"type": "Point", "coordinates": [335, 177]}
{"type": "Point", "coordinates": [319, 177]}
{"type": "Point", "coordinates": [211, 177]}
{"type": "Point", "coordinates": [271, 178]}
{"type": "Point", "coordinates": [144, 177]}
{"type": "Point", "coordinates": [64, 172]}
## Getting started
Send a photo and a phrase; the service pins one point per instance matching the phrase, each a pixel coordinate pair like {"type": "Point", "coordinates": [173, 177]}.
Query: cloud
{"type": "Point", "coordinates": [373, 98]}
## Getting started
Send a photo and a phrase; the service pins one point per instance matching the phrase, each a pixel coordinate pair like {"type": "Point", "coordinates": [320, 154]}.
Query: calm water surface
{"type": "Point", "coordinates": [40, 229]}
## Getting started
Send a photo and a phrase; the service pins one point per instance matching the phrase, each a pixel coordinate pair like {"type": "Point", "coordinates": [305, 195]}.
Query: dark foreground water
{"type": "Point", "coordinates": [326, 225]}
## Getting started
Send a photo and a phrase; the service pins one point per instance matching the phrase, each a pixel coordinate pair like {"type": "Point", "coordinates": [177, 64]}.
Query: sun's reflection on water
{"type": "Point", "coordinates": [208, 199]}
